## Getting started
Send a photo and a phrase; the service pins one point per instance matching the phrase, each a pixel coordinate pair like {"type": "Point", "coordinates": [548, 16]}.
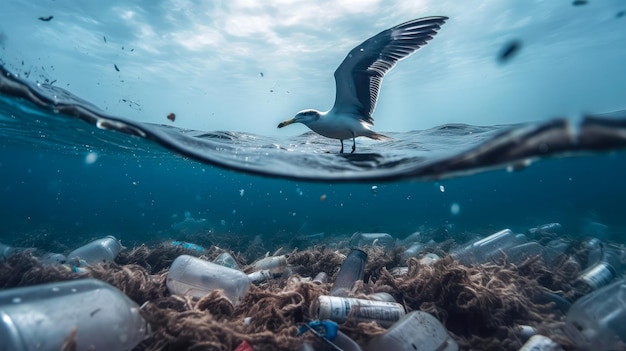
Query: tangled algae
{"type": "Point", "coordinates": [481, 305]}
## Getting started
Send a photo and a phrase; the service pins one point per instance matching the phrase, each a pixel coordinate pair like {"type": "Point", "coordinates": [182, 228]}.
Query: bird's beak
{"type": "Point", "coordinates": [286, 123]}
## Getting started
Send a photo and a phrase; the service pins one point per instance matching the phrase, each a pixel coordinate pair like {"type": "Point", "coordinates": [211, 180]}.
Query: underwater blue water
{"type": "Point", "coordinates": [74, 181]}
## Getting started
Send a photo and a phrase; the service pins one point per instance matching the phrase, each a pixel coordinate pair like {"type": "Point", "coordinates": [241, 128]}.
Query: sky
{"type": "Point", "coordinates": [247, 65]}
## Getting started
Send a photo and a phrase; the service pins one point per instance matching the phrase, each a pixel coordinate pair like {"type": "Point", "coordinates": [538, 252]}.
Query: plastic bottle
{"type": "Point", "coordinates": [320, 278]}
{"type": "Point", "coordinates": [609, 267]}
{"type": "Point", "coordinates": [352, 269]}
{"type": "Point", "coordinates": [195, 277]}
{"type": "Point", "coordinates": [98, 251]}
{"type": "Point", "coordinates": [399, 271]}
{"type": "Point", "coordinates": [411, 251]}
{"type": "Point", "coordinates": [260, 276]}
{"type": "Point", "coordinates": [488, 248]}
{"type": "Point", "coordinates": [546, 228]}
{"type": "Point", "coordinates": [598, 321]}
{"type": "Point", "coordinates": [52, 258]}
{"type": "Point", "coordinates": [6, 251]}
{"type": "Point", "coordinates": [340, 309]}
{"type": "Point", "coordinates": [227, 260]}
{"type": "Point", "coordinates": [520, 253]}
{"type": "Point", "coordinates": [540, 343]}
{"type": "Point", "coordinates": [373, 239]}
{"type": "Point", "coordinates": [381, 296]}
{"type": "Point", "coordinates": [43, 317]}
{"type": "Point", "coordinates": [275, 264]}
{"type": "Point", "coordinates": [417, 330]}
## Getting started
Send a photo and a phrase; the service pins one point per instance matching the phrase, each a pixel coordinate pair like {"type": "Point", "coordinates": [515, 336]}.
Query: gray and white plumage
{"type": "Point", "coordinates": [359, 77]}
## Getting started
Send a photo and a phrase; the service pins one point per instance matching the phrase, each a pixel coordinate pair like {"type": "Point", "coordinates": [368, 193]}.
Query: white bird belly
{"type": "Point", "coordinates": [339, 127]}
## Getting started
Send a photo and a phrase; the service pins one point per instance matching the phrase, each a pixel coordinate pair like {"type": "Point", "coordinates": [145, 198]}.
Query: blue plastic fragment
{"type": "Point", "coordinates": [188, 246]}
{"type": "Point", "coordinates": [326, 329]}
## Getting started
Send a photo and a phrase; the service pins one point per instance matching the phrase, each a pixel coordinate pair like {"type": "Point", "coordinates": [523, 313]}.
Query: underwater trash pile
{"type": "Point", "coordinates": [504, 291]}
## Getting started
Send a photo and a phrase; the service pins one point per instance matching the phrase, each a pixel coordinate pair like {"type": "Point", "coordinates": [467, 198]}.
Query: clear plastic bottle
{"type": "Point", "coordinates": [98, 251]}
{"type": "Point", "coordinates": [43, 317]}
{"type": "Point", "coordinates": [52, 258]}
{"type": "Point", "coordinates": [417, 330]}
{"type": "Point", "coordinates": [275, 264]}
{"type": "Point", "coordinates": [6, 251]}
{"type": "Point", "coordinates": [487, 248]}
{"type": "Point", "coordinates": [227, 260]}
{"type": "Point", "coordinates": [520, 253]}
{"type": "Point", "coordinates": [352, 269]}
{"type": "Point", "coordinates": [609, 267]}
{"type": "Point", "coordinates": [373, 239]}
{"type": "Point", "coordinates": [195, 277]}
{"type": "Point", "coordinates": [411, 251]}
{"type": "Point", "coordinates": [598, 321]}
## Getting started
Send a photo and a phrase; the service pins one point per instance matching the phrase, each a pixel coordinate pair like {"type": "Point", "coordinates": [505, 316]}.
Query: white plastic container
{"type": "Point", "coordinates": [98, 251]}
{"type": "Point", "coordinates": [192, 276]}
{"type": "Point", "coordinates": [417, 330]}
{"type": "Point", "coordinates": [42, 317]}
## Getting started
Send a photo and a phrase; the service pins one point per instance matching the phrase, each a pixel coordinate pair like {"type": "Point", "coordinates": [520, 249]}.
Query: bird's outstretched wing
{"type": "Point", "coordinates": [361, 73]}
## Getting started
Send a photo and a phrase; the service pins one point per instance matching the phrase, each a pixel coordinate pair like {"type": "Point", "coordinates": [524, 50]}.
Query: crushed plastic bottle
{"type": "Point", "coordinates": [42, 317]}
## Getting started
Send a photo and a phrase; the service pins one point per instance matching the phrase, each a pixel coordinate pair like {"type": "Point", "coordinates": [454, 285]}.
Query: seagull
{"type": "Point", "coordinates": [359, 77]}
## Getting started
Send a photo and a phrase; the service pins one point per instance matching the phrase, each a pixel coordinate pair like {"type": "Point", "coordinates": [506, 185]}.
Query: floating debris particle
{"type": "Point", "coordinates": [620, 14]}
{"type": "Point", "coordinates": [261, 74]}
{"type": "Point", "coordinates": [46, 18]}
{"type": "Point", "coordinates": [171, 116]}
{"type": "Point", "coordinates": [580, 2]}
{"type": "Point", "coordinates": [117, 69]}
{"type": "Point", "coordinates": [271, 90]}
{"type": "Point", "coordinates": [105, 38]}
{"type": "Point", "coordinates": [323, 197]}
{"type": "Point", "coordinates": [509, 50]}
{"type": "Point", "coordinates": [131, 50]}
{"type": "Point", "coordinates": [374, 189]}
{"type": "Point", "coordinates": [91, 158]}
{"type": "Point", "coordinates": [442, 189]}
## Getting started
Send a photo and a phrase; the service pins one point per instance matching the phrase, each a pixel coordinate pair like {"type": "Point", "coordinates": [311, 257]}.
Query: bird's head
{"type": "Point", "coordinates": [304, 116]}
